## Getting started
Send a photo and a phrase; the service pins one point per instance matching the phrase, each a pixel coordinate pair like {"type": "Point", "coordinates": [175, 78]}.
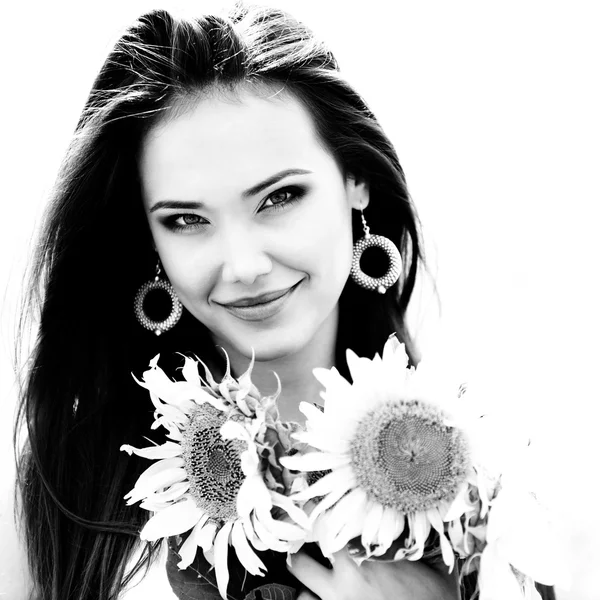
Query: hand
{"type": "Point", "coordinates": [372, 580]}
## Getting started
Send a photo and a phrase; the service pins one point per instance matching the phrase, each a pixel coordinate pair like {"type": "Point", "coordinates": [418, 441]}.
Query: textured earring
{"type": "Point", "coordinates": [157, 327]}
{"type": "Point", "coordinates": [381, 284]}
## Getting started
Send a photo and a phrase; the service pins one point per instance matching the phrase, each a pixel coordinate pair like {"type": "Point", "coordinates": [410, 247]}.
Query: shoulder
{"type": "Point", "coordinates": [15, 580]}
{"type": "Point", "coordinates": [423, 313]}
{"type": "Point", "coordinates": [14, 571]}
{"type": "Point", "coordinates": [151, 582]}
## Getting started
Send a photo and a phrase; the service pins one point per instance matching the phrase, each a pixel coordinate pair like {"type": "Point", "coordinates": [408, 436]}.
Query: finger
{"type": "Point", "coordinates": [342, 560]}
{"type": "Point", "coordinates": [310, 573]}
{"type": "Point", "coordinates": [343, 565]}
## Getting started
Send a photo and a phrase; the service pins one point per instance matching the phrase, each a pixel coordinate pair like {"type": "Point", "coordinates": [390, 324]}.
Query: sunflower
{"type": "Point", "coordinates": [399, 457]}
{"type": "Point", "coordinates": [521, 546]}
{"type": "Point", "coordinates": [211, 479]}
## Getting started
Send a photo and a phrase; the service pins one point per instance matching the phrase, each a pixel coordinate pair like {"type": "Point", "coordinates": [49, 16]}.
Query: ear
{"type": "Point", "coordinates": [357, 192]}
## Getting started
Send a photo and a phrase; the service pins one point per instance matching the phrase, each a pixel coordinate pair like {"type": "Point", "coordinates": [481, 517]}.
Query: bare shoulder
{"type": "Point", "coordinates": [15, 581]}
{"type": "Point", "coordinates": [423, 313]}
{"type": "Point", "coordinates": [151, 583]}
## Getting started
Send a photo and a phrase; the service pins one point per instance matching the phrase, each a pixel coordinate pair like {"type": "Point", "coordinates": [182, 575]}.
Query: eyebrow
{"type": "Point", "coordinates": [263, 185]}
{"type": "Point", "coordinates": [255, 189]}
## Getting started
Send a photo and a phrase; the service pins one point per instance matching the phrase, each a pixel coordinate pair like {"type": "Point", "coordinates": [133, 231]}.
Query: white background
{"type": "Point", "coordinates": [493, 108]}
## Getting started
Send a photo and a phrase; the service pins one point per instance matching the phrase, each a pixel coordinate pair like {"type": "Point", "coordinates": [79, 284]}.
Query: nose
{"type": "Point", "coordinates": [244, 258]}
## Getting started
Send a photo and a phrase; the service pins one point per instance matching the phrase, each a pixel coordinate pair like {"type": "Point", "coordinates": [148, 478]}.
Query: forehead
{"type": "Point", "coordinates": [225, 141]}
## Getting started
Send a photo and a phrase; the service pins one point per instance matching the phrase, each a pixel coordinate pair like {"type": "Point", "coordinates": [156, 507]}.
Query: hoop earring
{"type": "Point", "coordinates": [157, 327]}
{"type": "Point", "coordinates": [383, 283]}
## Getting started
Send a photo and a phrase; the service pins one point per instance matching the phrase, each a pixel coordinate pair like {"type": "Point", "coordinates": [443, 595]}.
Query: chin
{"type": "Point", "coordinates": [276, 346]}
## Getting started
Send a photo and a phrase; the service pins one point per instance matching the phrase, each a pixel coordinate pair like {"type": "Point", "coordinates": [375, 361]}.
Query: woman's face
{"type": "Point", "coordinates": [251, 218]}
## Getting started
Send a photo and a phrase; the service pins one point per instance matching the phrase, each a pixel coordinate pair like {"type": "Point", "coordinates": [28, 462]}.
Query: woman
{"type": "Point", "coordinates": [228, 156]}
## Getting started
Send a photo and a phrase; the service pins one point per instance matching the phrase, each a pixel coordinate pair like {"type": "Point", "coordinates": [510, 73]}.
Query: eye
{"type": "Point", "coordinates": [283, 197]}
{"type": "Point", "coordinates": [190, 219]}
{"type": "Point", "coordinates": [185, 222]}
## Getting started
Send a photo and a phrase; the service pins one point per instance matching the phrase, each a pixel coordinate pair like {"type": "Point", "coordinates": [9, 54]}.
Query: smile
{"type": "Point", "coordinates": [260, 307]}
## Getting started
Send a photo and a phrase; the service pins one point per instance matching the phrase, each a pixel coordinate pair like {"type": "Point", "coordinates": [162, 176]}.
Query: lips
{"type": "Point", "coordinates": [260, 299]}
{"type": "Point", "coordinates": [261, 307]}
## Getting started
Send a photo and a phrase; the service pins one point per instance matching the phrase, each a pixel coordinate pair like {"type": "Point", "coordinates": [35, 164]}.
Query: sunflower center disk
{"type": "Point", "coordinates": [406, 458]}
{"type": "Point", "coordinates": [212, 464]}
{"type": "Point", "coordinates": [218, 464]}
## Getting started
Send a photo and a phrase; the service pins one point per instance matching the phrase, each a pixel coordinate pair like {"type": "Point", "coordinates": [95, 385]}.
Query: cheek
{"type": "Point", "coordinates": [188, 272]}
{"type": "Point", "coordinates": [326, 241]}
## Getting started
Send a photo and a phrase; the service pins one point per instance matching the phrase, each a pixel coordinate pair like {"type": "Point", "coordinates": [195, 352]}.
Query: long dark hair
{"type": "Point", "coordinates": [96, 251]}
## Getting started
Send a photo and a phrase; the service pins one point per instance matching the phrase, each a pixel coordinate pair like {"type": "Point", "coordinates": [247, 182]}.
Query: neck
{"type": "Point", "coordinates": [295, 371]}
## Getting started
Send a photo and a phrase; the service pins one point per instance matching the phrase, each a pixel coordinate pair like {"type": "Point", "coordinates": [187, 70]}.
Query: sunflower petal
{"type": "Point", "coordinates": [190, 371]}
{"type": "Point", "coordinates": [330, 378]}
{"type": "Point", "coordinates": [350, 530]}
{"type": "Point", "coordinates": [174, 431]}
{"type": "Point", "coordinates": [387, 529]}
{"type": "Point", "coordinates": [459, 505]}
{"type": "Point", "coordinates": [373, 517]}
{"type": "Point", "coordinates": [419, 531]}
{"type": "Point", "coordinates": [311, 412]}
{"type": "Point", "coordinates": [314, 461]}
{"type": "Point", "coordinates": [496, 579]}
{"type": "Point", "coordinates": [436, 522]}
{"type": "Point", "coordinates": [524, 534]}
{"type": "Point", "coordinates": [252, 494]}
{"type": "Point", "coordinates": [187, 552]}
{"type": "Point", "coordinates": [395, 353]}
{"type": "Point", "coordinates": [398, 525]}
{"type": "Point", "coordinates": [267, 538]}
{"type": "Point", "coordinates": [166, 450]}
{"type": "Point", "coordinates": [171, 494]}
{"type": "Point", "coordinates": [249, 560]}
{"type": "Point", "coordinates": [295, 513]}
{"type": "Point", "coordinates": [175, 393]}
{"type": "Point", "coordinates": [206, 536]}
{"type": "Point", "coordinates": [361, 368]}
{"type": "Point", "coordinates": [156, 476]}
{"type": "Point", "coordinates": [280, 529]}
{"type": "Point", "coordinates": [456, 534]}
{"type": "Point", "coordinates": [161, 480]}
{"type": "Point", "coordinates": [327, 502]}
{"type": "Point", "coordinates": [251, 535]}
{"type": "Point", "coordinates": [169, 413]}
{"type": "Point", "coordinates": [334, 481]}
{"type": "Point", "coordinates": [326, 441]}
{"type": "Point", "coordinates": [245, 380]}
{"type": "Point", "coordinates": [209, 555]}
{"type": "Point", "coordinates": [174, 520]}
{"type": "Point", "coordinates": [221, 546]}
{"type": "Point", "coordinates": [249, 461]}
{"type": "Point", "coordinates": [232, 430]}
{"type": "Point", "coordinates": [343, 522]}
